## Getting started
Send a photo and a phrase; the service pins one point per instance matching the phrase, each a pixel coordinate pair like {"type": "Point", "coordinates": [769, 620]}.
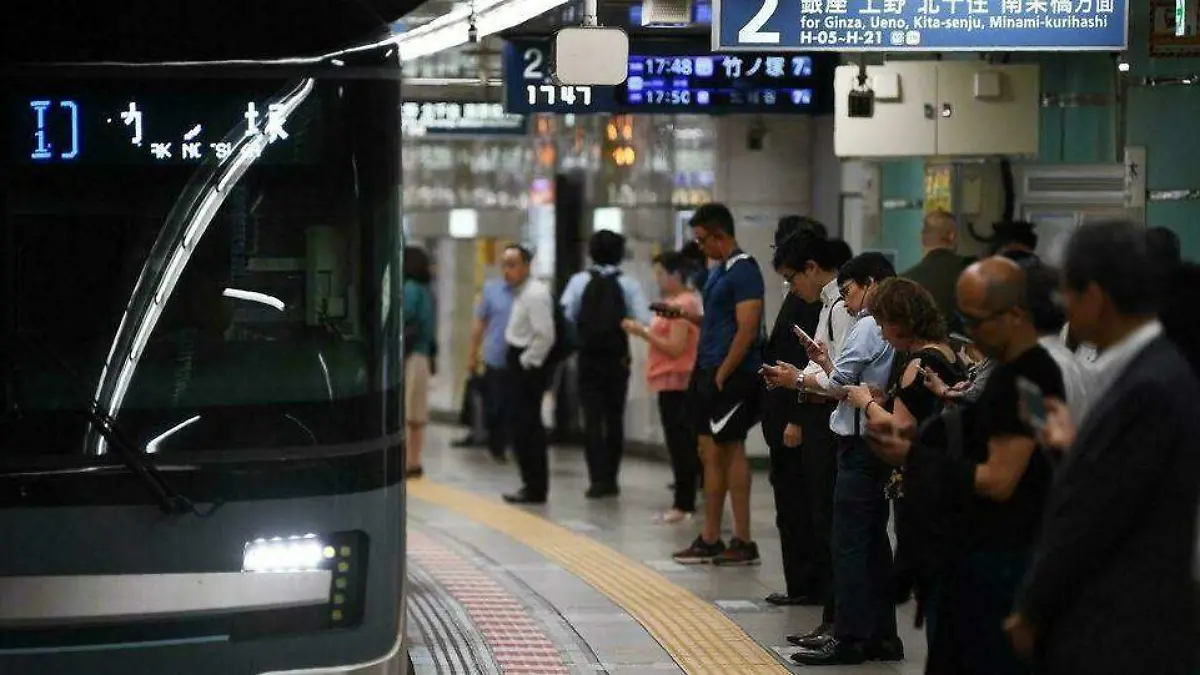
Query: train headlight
{"type": "Point", "coordinates": [286, 554]}
{"type": "Point", "coordinates": [342, 554]}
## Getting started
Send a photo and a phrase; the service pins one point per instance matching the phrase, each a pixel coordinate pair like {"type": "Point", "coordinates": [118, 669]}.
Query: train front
{"type": "Point", "coordinates": [201, 457]}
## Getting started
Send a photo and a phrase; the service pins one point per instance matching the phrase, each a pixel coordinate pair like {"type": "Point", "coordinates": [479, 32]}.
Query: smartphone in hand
{"type": "Point", "coordinates": [801, 334]}
{"type": "Point", "coordinates": [664, 310]}
{"type": "Point", "coordinates": [1032, 402]}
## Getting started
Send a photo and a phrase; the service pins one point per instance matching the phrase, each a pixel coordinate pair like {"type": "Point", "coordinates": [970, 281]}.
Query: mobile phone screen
{"type": "Point", "coordinates": [801, 334]}
{"type": "Point", "coordinates": [1033, 403]}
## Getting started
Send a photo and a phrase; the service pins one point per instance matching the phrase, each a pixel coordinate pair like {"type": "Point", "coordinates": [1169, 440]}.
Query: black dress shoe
{"type": "Point", "coordinates": [813, 639]}
{"type": "Point", "coordinates": [524, 497]}
{"type": "Point", "coordinates": [785, 600]}
{"type": "Point", "coordinates": [833, 653]}
{"type": "Point", "coordinates": [891, 650]}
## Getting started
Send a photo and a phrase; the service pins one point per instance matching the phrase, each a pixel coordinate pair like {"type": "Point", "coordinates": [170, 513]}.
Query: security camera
{"type": "Point", "coordinates": [756, 136]}
{"type": "Point", "coordinates": [861, 101]}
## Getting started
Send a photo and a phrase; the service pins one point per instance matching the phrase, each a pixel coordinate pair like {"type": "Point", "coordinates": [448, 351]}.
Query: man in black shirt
{"type": "Point", "coordinates": [782, 418]}
{"type": "Point", "coordinates": [1011, 476]}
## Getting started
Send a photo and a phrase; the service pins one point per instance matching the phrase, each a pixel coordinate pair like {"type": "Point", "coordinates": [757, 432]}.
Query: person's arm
{"type": "Point", "coordinates": [541, 317]}
{"type": "Point", "coordinates": [636, 306]}
{"type": "Point", "coordinates": [857, 352]}
{"type": "Point", "coordinates": [573, 294]}
{"type": "Point", "coordinates": [842, 324]}
{"type": "Point", "coordinates": [1008, 457]}
{"type": "Point", "coordinates": [675, 341]}
{"type": "Point", "coordinates": [1097, 501]}
{"type": "Point", "coordinates": [749, 321]}
{"type": "Point", "coordinates": [483, 316]}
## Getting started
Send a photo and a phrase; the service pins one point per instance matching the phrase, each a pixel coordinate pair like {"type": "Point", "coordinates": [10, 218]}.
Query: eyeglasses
{"type": "Point", "coordinates": [969, 321]}
{"type": "Point", "coordinates": [844, 290]}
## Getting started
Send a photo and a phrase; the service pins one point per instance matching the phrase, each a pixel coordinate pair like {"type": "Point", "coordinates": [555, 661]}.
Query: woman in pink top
{"type": "Point", "coordinates": [668, 369]}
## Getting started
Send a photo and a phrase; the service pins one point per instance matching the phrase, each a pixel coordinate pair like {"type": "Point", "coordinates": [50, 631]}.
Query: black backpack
{"type": "Point", "coordinates": [601, 311]}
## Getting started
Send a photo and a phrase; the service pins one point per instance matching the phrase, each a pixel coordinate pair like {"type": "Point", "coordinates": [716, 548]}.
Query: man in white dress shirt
{"type": "Point", "coordinates": [530, 337]}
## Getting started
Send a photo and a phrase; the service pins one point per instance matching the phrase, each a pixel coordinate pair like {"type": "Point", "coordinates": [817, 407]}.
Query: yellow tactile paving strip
{"type": "Point", "coordinates": [701, 639]}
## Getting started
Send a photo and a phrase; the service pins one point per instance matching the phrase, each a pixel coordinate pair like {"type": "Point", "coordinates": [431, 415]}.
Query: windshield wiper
{"type": "Point", "coordinates": [170, 501]}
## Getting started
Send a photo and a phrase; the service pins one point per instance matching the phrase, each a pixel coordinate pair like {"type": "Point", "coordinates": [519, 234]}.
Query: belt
{"type": "Point", "coordinates": [815, 399]}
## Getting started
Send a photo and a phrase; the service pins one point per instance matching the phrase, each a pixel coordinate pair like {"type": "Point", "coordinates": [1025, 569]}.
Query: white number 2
{"type": "Point", "coordinates": [533, 62]}
{"type": "Point", "coordinates": [752, 33]}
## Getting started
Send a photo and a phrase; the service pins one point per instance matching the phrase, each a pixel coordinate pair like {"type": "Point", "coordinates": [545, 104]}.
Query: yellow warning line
{"type": "Point", "coordinates": [700, 638]}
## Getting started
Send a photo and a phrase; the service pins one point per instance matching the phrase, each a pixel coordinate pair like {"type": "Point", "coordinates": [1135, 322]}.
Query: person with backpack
{"type": "Point", "coordinates": [596, 302]}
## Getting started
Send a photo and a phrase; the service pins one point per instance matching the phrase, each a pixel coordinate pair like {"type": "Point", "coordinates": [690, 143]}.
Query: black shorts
{"type": "Point", "coordinates": [728, 414]}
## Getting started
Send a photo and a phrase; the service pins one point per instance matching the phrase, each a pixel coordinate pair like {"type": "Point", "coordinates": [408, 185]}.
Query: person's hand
{"type": "Point", "coordinates": [817, 352]}
{"type": "Point", "coordinates": [1021, 634]}
{"type": "Point", "coordinates": [860, 396]}
{"type": "Point", "coordinates": [891, 441]}
{"type": "Point", "coordinates": [782, 374]}
{"type": "Point", "coordinates": [633, 328]}
{"type": "Point", "coordinates": [1059, 430]}
{"type": "Point", "coordinates": [720, 379]}
{"type": "Point", "coordinates": [792, 436]}
{"type": "Point", "coordinates": [938, 388]}
{"type": "Point", "coordinates": [473, 364]}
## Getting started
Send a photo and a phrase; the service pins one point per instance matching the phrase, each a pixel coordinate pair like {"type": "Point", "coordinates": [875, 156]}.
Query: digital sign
{"type": "Point", "coordinates": [673, 76]}
{"type": "Point", "coordinates": [458, 118]}
{"type": "Point", "coordinates": [765, 82]}
{"type": "Point", "coordinates": [920, 25]}
{"type": "Point", "coordinates": [71, 127]}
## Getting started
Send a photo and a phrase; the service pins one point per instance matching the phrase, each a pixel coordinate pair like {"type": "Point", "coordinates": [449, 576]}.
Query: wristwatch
{"type": "Point", "coordinates": [800, 382]}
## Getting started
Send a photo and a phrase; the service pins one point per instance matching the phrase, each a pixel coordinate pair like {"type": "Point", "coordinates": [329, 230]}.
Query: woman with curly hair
{"type": "Point", "coordinates": [912, 324]}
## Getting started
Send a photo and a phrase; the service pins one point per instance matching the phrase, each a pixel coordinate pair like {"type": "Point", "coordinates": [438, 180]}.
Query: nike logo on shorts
{"type": "Point", "coordinates": [718, 425]}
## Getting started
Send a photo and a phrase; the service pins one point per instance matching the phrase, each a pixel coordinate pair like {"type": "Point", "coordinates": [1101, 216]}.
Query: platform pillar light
{"type": "Point", "coordinates": [666, 13]}
{"type": "Point", "coordinates": [1180, 18]}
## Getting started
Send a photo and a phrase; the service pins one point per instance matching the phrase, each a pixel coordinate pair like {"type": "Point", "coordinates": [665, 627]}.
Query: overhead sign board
{"type": "Point", "coordinates": [456, 118]}
{"type": "Point", "coordinates": [673, 76]}
{"type": "Point", "coordinates": [920, 25]}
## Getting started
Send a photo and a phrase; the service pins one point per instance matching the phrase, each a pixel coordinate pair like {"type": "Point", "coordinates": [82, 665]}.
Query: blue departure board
{"type": "Point", "coordinates": [920, 25]}
{"type": "Point", "coordinates": [763, 82]}
{"type": "Point", "coordinates": [674, 76]}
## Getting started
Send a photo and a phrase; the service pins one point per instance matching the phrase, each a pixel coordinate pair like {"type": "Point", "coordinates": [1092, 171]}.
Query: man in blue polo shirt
{"type": "Point", "coordinates": [725, 389]}
{"type": "Point", "coordinates": [491, 319]}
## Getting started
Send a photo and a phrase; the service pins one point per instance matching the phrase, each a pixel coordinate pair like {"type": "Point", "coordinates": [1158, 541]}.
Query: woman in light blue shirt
{"type": "Point", "coordinates": [420, 336]}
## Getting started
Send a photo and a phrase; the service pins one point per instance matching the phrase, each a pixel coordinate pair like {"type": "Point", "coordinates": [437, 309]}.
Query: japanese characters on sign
{"type": "Point", "coordinates": [919, 25]}
{"type": "Point", "coordinates": [70, 130]}
{"type": "Point", "coordinates": [454, 117]}
{"type": "Point", "coordinates": [673, 76]}
{"type": "Point", "coordinates": [719, 80]}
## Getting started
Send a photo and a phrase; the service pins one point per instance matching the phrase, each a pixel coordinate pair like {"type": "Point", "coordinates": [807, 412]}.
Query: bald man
{"type": "Point", "coordinates": [1008, 477]}
{"type": "Point", "coordinates": [940, 266]}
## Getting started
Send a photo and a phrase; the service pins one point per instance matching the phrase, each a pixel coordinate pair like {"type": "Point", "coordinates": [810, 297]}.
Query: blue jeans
{"type": "Point", "coordinates": [862, 554]}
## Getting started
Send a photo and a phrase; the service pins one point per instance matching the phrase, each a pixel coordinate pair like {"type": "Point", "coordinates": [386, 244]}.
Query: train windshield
{"type": "Point", "coordinates": [208, 258]}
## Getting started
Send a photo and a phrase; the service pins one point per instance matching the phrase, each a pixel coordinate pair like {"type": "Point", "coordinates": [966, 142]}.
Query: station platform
{"type": "Point", "coordinates": [581, 586]}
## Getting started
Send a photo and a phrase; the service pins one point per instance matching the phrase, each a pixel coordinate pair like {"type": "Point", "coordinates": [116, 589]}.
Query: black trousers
{"type": "Point", "coordinates": [862, 552]}
{"type": "Point", "coordinates": [603, 387]}
{"type": "Point", "coordinates": [498, 406]}
{"type": "Point", "coordinates": [525, 390]}
{"type": "Point", "coordinates": [802, 480]}
{"type": "Point", "coordinates": [681, 444]}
